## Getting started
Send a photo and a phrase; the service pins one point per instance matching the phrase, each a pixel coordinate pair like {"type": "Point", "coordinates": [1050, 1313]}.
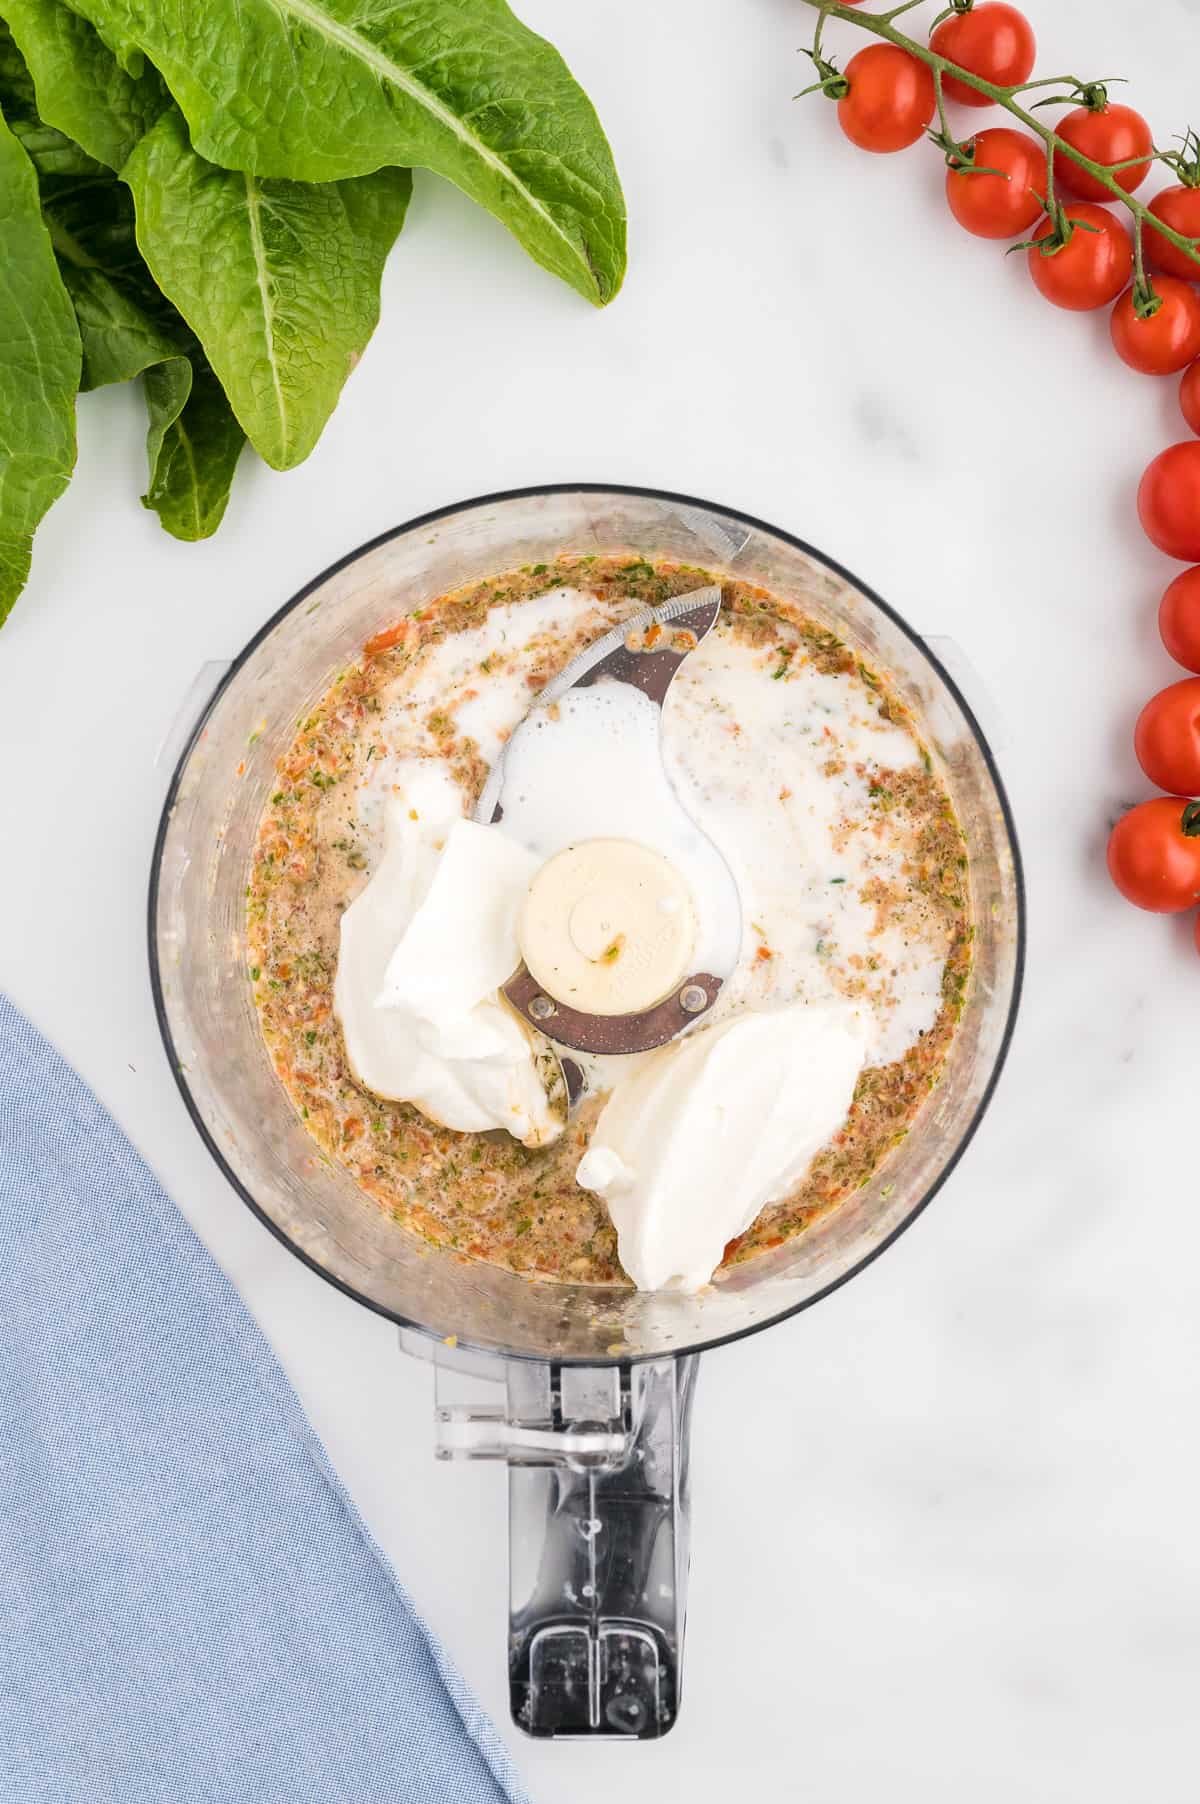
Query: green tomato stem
{"type": "Point", "coordinates": [1071, 82]}
{"type": "Point", "coordinates": [1146, 302]}
{"type": "Point", "coordinates": [881, 25]}
{"type": "Point", "coordinates": [940, 95]}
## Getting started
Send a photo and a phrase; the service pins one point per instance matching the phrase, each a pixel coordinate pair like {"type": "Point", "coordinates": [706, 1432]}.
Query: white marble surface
{"type": "Point", "coordinates": [945, 1540]}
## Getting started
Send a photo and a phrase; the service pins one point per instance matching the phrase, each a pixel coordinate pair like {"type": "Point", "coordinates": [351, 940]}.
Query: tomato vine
{"type": "Point", "coordinates": [1077, 92]}
{"type": "Point", "coordinates": [999, 183]}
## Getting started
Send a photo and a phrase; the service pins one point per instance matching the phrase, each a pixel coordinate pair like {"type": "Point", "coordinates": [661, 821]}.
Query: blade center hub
{"type": "Point", "coordinates": [608, 927]}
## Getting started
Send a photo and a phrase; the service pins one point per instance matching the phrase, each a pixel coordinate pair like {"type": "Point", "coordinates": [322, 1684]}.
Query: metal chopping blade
{"type": "Point", "coordinates": [644, 652]}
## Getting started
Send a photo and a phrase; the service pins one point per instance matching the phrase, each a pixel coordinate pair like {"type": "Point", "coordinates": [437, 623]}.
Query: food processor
{"type": "Point", "coordinates": [584, 1390]}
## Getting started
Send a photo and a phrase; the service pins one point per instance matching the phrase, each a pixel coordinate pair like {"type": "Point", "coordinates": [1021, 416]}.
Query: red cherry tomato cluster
{"type": "Point", "coordinates": [1081, 256]}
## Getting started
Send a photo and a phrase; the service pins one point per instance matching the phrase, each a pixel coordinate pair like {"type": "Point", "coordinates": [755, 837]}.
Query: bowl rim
{"type": "Point", "coordinates": [525, 493]}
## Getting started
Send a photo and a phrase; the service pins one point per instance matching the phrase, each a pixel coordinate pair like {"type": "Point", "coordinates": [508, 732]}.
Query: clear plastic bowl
{"type": "Point", "coordinates": [198, 948]}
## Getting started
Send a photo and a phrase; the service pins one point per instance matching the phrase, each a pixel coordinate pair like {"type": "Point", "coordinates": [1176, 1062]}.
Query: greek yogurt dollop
{"type": "Point", "coordinates": [424, 950]}
{"type": "Point", "coordinates": [713, 1128]}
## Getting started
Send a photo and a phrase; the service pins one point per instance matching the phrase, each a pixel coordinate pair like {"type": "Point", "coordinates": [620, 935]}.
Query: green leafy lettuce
{"type": "Point", "coordinates": [126, 326]}
{"type": "Point", "coordinates": [252, 263]}
{"type": "Point", "coordinates": [81, 87]}
{"type": "Point", "coordinates": [318, 90]}
{"type": "Point", "coordinates": [193, 445]}
{"type": "Point", "coordinates": [204, 198]}
{"type": "Point", "coordinates": [39, 371]}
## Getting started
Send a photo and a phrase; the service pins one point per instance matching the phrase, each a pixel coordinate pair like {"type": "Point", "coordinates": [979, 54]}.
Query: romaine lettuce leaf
{"type": "Point", "coordinates": [319, 90]}
{"type": "Point", "coordinates": [39, 372]}
{"type": "Point", "coordinates": [81, 87]}
{"type": "Point", "coordinates": [278, 280]}
{"type": "Point", "coordinates": [127, 328]}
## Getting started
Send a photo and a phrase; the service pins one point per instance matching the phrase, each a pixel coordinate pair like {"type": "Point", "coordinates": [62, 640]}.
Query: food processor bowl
{"type": "Point", "coordinates": [594, 1382]}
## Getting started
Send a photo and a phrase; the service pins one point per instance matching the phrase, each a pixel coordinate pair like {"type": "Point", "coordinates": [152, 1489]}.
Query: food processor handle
{"type": "Point", "coordinates": [598, 1537]}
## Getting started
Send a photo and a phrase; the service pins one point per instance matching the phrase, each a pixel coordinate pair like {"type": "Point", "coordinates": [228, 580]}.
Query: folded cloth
{"type": "Point", "coordinates": [190, 1607]}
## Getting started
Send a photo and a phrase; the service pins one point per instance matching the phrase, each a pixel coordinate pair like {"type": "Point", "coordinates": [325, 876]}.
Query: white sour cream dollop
{"type": "Point", "coordinates": [710, 1130]}
{"type": "Point", "coordinates": [424, 950]}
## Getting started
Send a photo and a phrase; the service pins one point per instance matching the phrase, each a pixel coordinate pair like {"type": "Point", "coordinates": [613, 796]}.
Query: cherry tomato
{"type": "Point", "coordinates": [1091, 268]}
{"type": "Point", "coordinates": [1154, 855]}
{"type": "Point", "coordinates": [1107, 134]}
{"type": "Point", "coordinates": [1180, 209]}
{"type": "Point", "coordinates": [1166, 340]}
{"type": "Point", "coordinates": [992, 40]}
{"type": "Point", "coordinates": [1179, 619]}
{"type": "Point", "coordinates": [1169, 501]}
{"type": "Point", "coordinates": [1003, 204]}
{"type": "Point", "coordinates": [890, 100]}
{"type": "Point", "coordinates": [1167, 738]}
{"type": "Point", "coordinates": [1189, 396]}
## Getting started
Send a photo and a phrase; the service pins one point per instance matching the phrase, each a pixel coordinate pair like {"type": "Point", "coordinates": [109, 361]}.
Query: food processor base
{"type": "Point", "coordinates": [598, 1529]}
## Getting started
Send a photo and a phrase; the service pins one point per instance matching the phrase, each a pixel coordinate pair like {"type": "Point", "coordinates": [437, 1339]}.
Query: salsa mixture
{"type": "Point", "coordinates": [798, 760]}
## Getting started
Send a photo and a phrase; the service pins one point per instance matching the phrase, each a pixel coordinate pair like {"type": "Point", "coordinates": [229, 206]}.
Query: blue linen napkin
{"type": "Point", "coordinates": [191, 1610]}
